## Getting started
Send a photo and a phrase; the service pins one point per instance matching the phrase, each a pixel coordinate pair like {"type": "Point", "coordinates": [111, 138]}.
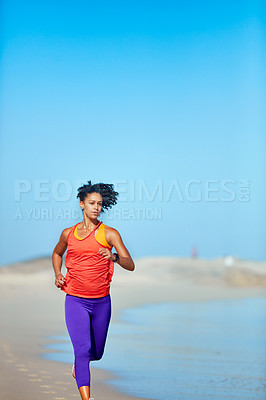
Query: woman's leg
{"type": "Point", "coordinates": [100, 320]}
{"type": "Point", "coordinates": [84, 392]}
{"type": "Point", "coordinates": [79, 328]}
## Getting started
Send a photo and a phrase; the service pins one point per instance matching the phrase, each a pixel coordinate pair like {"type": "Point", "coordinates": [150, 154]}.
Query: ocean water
{"type": "Point", "coordinates": [185, 350]}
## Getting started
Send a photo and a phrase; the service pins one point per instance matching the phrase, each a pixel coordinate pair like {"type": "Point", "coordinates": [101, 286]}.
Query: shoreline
{"type": "Point", "coordinates": [33, 310]}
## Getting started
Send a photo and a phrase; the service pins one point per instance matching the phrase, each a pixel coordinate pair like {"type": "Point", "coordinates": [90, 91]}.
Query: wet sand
{"type": "Point", "coordinates": [32, 309]}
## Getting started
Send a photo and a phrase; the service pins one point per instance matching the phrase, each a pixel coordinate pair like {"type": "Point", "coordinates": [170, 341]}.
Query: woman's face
{"type": "Point", "coordinates": [92, 205]}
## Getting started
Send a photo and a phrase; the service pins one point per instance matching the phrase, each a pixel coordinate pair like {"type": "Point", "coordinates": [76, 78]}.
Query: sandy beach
{"type": "Point", "coordinates": [32, 309]}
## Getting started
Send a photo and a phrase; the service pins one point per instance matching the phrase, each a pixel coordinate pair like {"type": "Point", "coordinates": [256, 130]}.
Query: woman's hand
{"type": "Point", "coordinates": [59, 280]}
{"type": "Point", "coordinates": [106, 253]}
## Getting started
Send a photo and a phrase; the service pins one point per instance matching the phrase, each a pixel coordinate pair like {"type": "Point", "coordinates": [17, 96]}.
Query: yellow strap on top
{"type": "Point", "coordinates": [100, 236]}
{"type": "Point", "coordinates": [76, 233]}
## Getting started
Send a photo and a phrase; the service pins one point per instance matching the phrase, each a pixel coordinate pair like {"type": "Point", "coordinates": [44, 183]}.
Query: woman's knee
{"type": "Point", "coordinates": [83, 352]}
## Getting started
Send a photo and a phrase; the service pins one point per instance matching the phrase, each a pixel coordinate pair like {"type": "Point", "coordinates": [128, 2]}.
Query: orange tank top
{"type": "Point", "coordinates": [88, 274]}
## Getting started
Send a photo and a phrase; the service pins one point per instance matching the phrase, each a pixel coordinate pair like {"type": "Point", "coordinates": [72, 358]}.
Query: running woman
{"type": "Point", "coordinates": [90, 266]}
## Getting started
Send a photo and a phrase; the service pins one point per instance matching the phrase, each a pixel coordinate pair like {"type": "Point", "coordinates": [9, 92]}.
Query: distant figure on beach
{"type": "Point", "coordinates": [90, 266]}
{"type": "Point", "coordinates": [194, 252]}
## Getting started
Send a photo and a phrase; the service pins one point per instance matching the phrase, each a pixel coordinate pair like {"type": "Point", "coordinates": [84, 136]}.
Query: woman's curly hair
{"type": "Point", "coordinates": [109, 195]}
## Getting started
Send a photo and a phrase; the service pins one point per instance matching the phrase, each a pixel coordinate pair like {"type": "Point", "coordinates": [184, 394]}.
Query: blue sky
{"type": "Point", "coordinates": [139, 94]}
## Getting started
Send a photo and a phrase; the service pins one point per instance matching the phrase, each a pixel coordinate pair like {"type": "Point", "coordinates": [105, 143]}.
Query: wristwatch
{"type": "Point", "coordinates": [116, 257]}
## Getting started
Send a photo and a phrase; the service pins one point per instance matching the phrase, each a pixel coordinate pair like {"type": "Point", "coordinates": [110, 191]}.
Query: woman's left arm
{"type": "Point", "coordinates": [114, 239]}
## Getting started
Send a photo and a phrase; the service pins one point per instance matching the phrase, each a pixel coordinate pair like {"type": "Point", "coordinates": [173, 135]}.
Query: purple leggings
{"type": "Point", "coordinates": [87, 322]}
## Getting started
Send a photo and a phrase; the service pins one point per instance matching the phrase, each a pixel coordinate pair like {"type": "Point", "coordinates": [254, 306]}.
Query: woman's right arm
{"type": "Point", "coordinates": [57, 257]}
